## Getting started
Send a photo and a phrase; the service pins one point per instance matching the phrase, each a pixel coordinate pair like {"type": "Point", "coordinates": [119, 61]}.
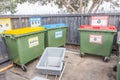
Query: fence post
{"type": "Point", "coordinates": [20, 22]}
{"type": "Point", "coordinates": [81, 19]}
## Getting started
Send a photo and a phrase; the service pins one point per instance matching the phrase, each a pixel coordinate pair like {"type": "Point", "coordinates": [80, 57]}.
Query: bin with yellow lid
{"type": "Point", "coordinates": [24, 44]}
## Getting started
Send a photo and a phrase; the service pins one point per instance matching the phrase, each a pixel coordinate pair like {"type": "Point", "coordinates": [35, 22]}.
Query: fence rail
{"type": "Point", "coordinates": [72, 20]}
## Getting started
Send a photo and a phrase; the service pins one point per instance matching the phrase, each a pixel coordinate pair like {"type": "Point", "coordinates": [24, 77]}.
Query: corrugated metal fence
{"type": "Point", "coordinates": [72, 20]}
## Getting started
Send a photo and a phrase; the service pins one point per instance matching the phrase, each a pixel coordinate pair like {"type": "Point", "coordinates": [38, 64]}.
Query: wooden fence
{"type": "Point", "coordinates": [72, 20]}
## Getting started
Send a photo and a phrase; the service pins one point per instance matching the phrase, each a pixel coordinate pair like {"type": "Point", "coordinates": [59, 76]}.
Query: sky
{"type": "Point", "coordinates": [27, 8]}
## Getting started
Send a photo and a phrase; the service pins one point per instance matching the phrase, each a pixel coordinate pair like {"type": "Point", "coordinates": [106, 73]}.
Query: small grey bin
{"type": "Point", "coordinates": [39, 78]}
{"type": "Point", "coordinates": [51, 61]}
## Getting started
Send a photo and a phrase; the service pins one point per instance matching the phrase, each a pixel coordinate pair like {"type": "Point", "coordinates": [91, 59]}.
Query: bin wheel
{"type": "Point", "coordinates": [64, 45]}
{"type": "Point", "coordinates": [14, 65]}
{"type": "Point", "coordinates": [82, 54]}
{"type": "Point", "coordinates": [106, 59]}
{"type": "Point", "coordinates": [115, 68]}
{"type": "Point", "coordinates": [24, 68]}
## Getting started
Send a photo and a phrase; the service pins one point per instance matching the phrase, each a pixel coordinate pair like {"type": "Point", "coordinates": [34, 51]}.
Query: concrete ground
{"type": "Point", "coordinates": [87, 68]}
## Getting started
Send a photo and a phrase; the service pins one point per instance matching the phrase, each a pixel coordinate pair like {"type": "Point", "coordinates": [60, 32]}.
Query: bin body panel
{"type": "Point", "coordinates": [118, 68]}
{"type": "Point", "coordinates": [56, 37]}
{"type": "Point", "coordinates": [101, 47]}
{"type": "Point", "coordinates": [118, 62]}
{"type": "Point", "coordinates": [21, 50]}
{"type": "Point", "coordinates": [12, 49]}
{"type": "Point", "coordinates": [3, 51]}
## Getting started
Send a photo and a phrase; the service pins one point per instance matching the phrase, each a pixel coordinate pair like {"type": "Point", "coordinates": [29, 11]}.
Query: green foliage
{"type": "Point", "coordinates": [13, 4]}
{"type": "Point", "coordinates": [60, 5]}
{"type": "Point", "coordinates": [10, 5]}
{"type": "Point", "coordinates": [87, 1]}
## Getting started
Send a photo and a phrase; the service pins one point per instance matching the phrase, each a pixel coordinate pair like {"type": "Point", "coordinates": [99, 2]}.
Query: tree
{"type": "Point", "coordinates": [72, 6]}
{"type": "Point", "coordinates": [96, 3]}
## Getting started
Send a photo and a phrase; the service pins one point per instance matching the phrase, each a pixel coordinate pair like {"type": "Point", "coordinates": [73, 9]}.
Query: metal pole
{"type": "Point", "coordinates": [63, 71]}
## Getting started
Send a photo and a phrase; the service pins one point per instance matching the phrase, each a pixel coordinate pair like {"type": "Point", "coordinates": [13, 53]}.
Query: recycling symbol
{"type": "Point", "coordinates": [95, 39]}
{"type": "Point", "coordinates": [98, 21]}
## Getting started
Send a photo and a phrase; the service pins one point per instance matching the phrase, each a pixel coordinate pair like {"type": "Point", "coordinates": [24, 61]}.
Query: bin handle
{"type": "Point", "coordinates": [2, 35]}
{"type": "Point", "coordinates": [12, 37]}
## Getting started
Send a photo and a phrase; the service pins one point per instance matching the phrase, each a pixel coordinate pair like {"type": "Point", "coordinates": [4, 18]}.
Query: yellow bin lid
{"type": "Point", "coordinates": [23, 30]}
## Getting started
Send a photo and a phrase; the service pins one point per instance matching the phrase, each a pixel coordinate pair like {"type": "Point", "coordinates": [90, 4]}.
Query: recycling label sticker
{"type": "Point", "coordinates": [58, 34]}
{"type": "Point", "coordinates": [95, 39]}
{"type": "Point", "coordinates": [33, 42]}
{"type": "Point", "coordinates": [99, 20]}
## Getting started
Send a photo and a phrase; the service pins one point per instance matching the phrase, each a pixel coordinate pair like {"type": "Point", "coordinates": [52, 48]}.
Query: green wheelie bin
{"type": "Point", "coordinates": [96, 40]}
{"type": "Point", "coordinates": [118, 62]}
{"type": "Point", "coordinates": [55, 35]}
{"type": "Point", "coordinates": [24, 44]}
{"type": "Point", "coordinates": [118, 68]}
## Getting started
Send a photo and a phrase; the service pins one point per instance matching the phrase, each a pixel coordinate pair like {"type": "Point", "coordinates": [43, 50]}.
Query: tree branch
{"type": "Point", "coordinates": [80, 9]}
{"type": "Point", "coordinates": [91, 8]}
{"type": "Point", "coordinates": [98, 6]}
{"type": "Point", "coordinates": [85, 4]}
{"type": "Point", "coordinates": [67, 5]}
{"type": "Point", "coordinates": [95, 2]}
